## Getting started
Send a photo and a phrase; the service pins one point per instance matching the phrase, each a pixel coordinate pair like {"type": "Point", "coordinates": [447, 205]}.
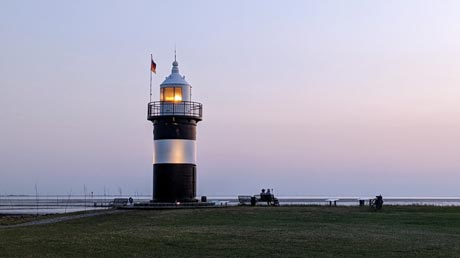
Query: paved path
{"type": "Point", "coordinates": [63, 218]}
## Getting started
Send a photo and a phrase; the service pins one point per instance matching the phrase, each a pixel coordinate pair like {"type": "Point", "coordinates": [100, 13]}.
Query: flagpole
{"type": "Point", "coordinates": [151, 58]}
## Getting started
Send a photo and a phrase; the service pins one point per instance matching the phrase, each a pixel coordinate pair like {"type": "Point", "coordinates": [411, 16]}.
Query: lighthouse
{"type": "Point", "coordinates": [174, 119]}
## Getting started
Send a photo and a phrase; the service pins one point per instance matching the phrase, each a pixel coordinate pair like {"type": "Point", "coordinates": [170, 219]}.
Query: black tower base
{"type": "Point", "coordinates": [174, 182]}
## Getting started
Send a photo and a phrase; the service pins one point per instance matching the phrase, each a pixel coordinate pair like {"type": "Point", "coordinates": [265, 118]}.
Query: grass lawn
{"type": "Point", "coordinates": [246, 232]}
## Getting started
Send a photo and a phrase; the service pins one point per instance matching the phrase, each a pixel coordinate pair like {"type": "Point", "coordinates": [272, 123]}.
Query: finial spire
{"type": "Point", "coordinates": [175, 63]}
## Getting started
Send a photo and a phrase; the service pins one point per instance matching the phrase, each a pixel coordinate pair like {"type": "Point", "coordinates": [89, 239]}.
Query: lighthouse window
{"type": "Point", "coordinates": [168, 94]}
{"type": "Point", "coordinates": [171, 94]}
{"type": "Point", "coordinates": [177, 94]}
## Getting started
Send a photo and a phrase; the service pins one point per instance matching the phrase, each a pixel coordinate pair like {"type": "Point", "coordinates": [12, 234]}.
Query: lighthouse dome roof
{"type": "Point", "coordinates": [175, 78]}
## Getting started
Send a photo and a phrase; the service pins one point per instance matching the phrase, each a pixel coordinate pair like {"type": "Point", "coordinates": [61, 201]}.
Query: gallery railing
{"type": "Point", "coordinates": [169, 108]}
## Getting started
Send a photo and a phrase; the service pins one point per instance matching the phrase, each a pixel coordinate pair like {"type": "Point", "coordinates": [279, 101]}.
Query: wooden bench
{"type": "Point", "coordinates": [362, 201]}
{"type": "Point", "coordinates": [119, 202]}
{"type": "Point", "coordinates": [268, 198]}
{"type": "Point", "coordinates": [332, 201]}
{"type": "Point", "coordinates": [220, 203]}
{"type": "Point", "coordinates": [244, 200]}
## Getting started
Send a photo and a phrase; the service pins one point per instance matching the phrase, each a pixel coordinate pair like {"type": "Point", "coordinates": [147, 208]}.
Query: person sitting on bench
{"type": "Point", "coordinates": [262, 193]}
{"type": "Point", "coordinates": [268, 196]}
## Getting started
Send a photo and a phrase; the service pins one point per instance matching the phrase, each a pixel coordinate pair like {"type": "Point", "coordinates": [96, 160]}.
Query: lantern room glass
{"type": "Point", "coordinates": [173, 94]}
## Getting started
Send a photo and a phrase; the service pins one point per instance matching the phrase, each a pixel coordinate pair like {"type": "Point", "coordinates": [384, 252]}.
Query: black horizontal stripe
{"type": "Point", "coordinates": [174, 129]}
{"type": "Point", "coordinates": [174, 182]}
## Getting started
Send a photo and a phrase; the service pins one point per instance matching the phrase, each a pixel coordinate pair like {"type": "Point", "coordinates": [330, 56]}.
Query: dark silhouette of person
{"type": "Point", "coordinates": [269, 197]}
{"type": "Point", "coordinates": [378, 202]}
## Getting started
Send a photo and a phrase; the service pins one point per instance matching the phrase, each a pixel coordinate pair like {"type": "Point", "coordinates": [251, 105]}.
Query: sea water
{"type": "Point", "coordinates": [27, 204]}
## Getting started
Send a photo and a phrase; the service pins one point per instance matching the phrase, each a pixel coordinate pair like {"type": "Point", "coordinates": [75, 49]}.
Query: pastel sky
{"type": "Point", "coordinates": [326, 98]}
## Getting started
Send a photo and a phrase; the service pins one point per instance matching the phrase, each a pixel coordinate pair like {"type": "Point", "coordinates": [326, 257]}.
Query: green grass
{"type": "Point", "coordinates": [409, 231]}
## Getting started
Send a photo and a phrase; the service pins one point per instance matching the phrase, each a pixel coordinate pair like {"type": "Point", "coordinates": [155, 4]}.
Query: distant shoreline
{"type": "Point", "coordinates": [66, 204]}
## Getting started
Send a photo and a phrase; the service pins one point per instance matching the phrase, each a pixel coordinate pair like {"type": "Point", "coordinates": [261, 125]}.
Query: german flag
{"type": "Point", "coordinates": [153, 66]}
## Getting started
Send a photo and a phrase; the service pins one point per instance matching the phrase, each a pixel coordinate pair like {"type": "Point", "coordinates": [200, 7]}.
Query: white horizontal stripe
{"type": "Point", "coordinates": [174, 151]}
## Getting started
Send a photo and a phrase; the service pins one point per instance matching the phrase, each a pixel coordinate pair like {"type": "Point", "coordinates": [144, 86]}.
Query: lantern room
{"type": "Point", "coordinates": [175, 98]}
{"type": "Point", "coordinates": [175, 88]}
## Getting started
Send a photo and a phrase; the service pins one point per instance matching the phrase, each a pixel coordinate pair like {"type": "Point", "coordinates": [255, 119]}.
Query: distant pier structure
{"type": "Point", "coordinates": [174, 119]}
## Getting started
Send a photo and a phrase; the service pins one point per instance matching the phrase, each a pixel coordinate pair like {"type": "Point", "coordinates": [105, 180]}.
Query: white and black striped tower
{"type": "Point", "coordinates": [174, 120]}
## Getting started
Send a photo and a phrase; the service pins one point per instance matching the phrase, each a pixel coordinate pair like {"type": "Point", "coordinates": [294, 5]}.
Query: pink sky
{"type": "Point", "coordinates": [308, 98]}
